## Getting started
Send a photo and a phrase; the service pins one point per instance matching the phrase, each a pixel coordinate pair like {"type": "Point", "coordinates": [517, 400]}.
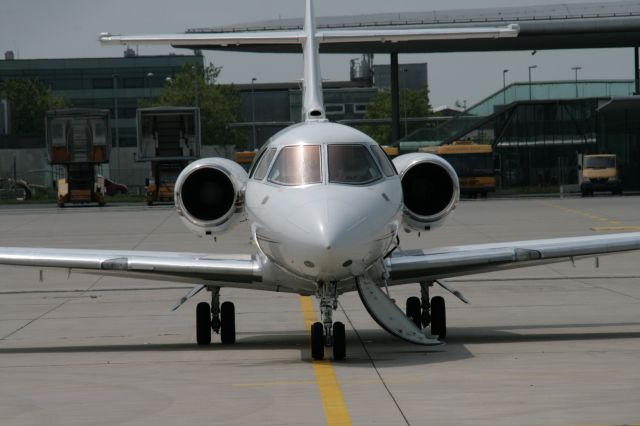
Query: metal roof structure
{"type": "Point", "coordinates": [561, 26]}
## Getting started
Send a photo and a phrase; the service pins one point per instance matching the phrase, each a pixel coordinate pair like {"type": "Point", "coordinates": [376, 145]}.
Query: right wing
{"type": "Point", "coordinates": [446, 262]}
{"type": "Point", "coordinates": [325, 36]}
{"type": "Point", "coordinates": [235, 270]}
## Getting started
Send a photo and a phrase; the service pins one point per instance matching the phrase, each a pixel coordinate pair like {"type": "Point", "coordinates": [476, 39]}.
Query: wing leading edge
{"type": "Point", "coordinates": [478, 258]}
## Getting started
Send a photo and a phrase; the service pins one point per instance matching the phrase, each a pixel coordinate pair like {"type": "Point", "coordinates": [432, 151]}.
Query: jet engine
{"type": "Point", "coordinates": [209, 195]}
{"type": "Point", "coordinates": [430, 189]}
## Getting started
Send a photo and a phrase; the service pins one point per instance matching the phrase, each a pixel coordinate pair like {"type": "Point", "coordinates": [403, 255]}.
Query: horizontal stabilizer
{"type": "Point", "coordinates": [298, 37]}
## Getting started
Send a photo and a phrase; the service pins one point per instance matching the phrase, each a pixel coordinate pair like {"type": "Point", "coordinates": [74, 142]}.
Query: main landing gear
{"type": "Point", "coordinates": [424, 312]}
{"type": "Point", "coordinates": [327, 332]}
{"type": "Point", "coordinates": [219, 318]}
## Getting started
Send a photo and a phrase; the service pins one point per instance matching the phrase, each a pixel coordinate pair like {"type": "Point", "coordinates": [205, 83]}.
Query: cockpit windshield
{"type": "Point", "coordinates": [297, 165]}
{"type": "Point", "coordinates": [351, 164]}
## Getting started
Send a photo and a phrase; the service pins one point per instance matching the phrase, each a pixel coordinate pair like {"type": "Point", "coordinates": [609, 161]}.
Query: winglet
{"type": "Point", "coordinates": [312, 102]}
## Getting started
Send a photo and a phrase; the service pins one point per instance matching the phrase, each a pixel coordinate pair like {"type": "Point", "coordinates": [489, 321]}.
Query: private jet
{"type": "Point", "coordinates": [325, 207]}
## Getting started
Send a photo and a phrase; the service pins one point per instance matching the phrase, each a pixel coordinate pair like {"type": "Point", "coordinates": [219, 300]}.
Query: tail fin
{"type": "Point", "coordinates": [312, 103]}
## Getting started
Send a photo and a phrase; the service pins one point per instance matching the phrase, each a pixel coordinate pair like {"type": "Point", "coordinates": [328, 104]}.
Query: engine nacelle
{"type": "Point", "coordinates": [209, 195]}
{"type": "Point", "coordinates": [430, 189]}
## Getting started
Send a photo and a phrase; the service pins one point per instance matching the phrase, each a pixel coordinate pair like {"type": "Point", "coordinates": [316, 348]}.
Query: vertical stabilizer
{"type": "Point", "coordinates": [312, 103]}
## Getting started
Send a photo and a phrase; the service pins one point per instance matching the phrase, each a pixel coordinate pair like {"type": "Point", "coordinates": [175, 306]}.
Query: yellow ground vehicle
{"type": "Point", "coordinates": [168, 138]}
{"type": "Point", "coordinates": [473, 163]}
{"type": "Point", "coordinates": [391, 151]}
{"type": "Point", "coordinates": [244, 158]}
{"type": "Point", "coordinates": [79, 140]}
{"type": "Point", "coordinates": [599, 172]}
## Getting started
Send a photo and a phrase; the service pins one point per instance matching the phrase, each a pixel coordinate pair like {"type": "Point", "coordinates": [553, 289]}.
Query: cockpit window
{"type": "Point", "coordinates": [351, 164]}
{"type": "Point", "coordinates": [383, 159]}
{"type": "Point", "coordinates": [263, 164]}
{"type": "Point", "coordinates": [297, 165]}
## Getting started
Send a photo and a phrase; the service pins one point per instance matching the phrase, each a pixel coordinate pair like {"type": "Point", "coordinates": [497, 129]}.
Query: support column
{"type": "Point", "coordinates": [395, 98]}
{"type": "Point", "coordinates": [636, 70]}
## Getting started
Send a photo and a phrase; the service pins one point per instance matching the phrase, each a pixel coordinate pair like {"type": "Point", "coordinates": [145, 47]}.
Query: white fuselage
{"type": "Point", "coordinates": [323, 231]}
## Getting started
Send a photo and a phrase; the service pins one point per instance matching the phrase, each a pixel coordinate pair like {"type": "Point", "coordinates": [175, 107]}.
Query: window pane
{"type": "Point", "coordinates": [297, 165]}
{"type": "Point", "coordinates": [383, 159]}
{"type": "Point", "coordinates": [263, 164]}
{"type": "Point", "coordinates": [351, 164]}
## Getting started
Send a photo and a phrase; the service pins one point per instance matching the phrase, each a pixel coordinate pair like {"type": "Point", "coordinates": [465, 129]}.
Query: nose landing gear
{"type": "Point", "coordinates": [328, 333]}
{"type": "Point", "coordinates": [217, 318]}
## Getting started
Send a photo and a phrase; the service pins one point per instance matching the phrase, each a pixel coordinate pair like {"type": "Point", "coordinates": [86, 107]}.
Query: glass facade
{"type": "Point", "coordinates": [101, 82]}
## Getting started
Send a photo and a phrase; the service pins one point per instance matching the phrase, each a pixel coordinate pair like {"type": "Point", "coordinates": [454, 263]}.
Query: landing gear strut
{"type": "Point", "coordinates": [328, 333]}
{"type": "Point", "coordinates": [220, 319]}
{"type": "Point", "coordinates": [425, 311]}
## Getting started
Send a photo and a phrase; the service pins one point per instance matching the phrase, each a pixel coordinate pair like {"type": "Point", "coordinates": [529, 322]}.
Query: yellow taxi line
{"type": "Point", "coordinates": [335, 408]}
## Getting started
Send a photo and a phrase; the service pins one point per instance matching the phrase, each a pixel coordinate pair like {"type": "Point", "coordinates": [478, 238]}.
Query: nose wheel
{"type": "Point", "coordinates": [217, 318]}
{"type": "Point", "coordinates": [328, 333]}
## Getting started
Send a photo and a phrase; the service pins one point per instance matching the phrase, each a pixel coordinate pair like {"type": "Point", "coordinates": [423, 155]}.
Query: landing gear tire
{"type": "Point", "coordinates": [438, 317]}
{"type": "Point", "coordinates": [339, 341]}
{"type": "Point", "coordinates": [317, 341]}
{"type": "Point", "coordinates": [203, 323]}
{"type": "Point", "coordinates": [227, 323]}
{"type": "Point", "coordinates": [413, 310]}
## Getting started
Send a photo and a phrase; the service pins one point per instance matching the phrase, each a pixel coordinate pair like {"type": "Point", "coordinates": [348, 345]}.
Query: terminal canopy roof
{"type": "Point", "coordinates": [561, 26]}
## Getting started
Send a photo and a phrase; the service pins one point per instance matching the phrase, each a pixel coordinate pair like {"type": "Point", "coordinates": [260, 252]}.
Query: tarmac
{"type": "Point", "coordinates": [550, 345]}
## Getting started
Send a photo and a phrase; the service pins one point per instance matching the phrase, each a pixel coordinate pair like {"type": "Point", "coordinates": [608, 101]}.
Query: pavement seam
{"type": "Point", "coordinates": [375, 367]}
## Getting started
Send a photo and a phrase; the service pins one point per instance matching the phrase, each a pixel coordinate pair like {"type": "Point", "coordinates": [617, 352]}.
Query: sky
{"type": "Point", "coordinates": [69, 29]}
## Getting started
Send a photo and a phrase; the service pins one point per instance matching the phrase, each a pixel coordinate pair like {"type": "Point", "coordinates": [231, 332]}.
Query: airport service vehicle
{"type": "Point", "coordinates": [169, 139]}
{"type": "Point", "coordinates": [78, 139]}
{"type": "Point", "coordinates": [472, 162]}
{"type": "Point", "coordinates": [599, 172]}
{"type": "Point", "coordinates": [245, 159]}
{"type": "Point", "coordinates": [325, 207]}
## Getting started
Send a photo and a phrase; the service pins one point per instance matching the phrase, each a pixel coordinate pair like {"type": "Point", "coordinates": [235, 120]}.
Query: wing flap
{"type": "Point", "coordinates": [478, 258]}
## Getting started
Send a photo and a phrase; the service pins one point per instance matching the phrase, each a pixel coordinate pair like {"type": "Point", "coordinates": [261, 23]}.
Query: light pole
{"type": "Point", "coordinates": [530, 68]}
{"type": "Point", "coordinates": [195, 84]}
{"type": "Point", "coordinates": [115, 115]}
{"type": "Point", "coordinates": [504, 86]}
{"type": "Point", "coordinates": [576, 69]}
{"type": "Point", "coordinates": [405, 70]}
{"type": "Point", "coordinates": [149, 75]}
{"type": "Point", "coordinates": [253, 113]}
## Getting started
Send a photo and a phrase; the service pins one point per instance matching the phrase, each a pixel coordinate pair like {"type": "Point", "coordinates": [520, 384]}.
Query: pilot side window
{"type": "Point", "coordinates": [263, 164]}
{"type": "Point", "coordinates": [351, 164]}
{"type": "Point", "coordinates": [383, 159]}
{"type": "Point", "coordinates": [297, 165]}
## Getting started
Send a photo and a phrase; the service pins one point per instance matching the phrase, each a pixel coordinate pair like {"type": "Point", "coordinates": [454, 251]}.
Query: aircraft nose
{"type": "Point", "coordinates": [333, 238]}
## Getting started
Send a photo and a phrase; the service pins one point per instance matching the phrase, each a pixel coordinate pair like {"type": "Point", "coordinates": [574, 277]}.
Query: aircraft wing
{"type": "Point", "coordinates": [325, 36]}
{"type": "Point", "coordinates": [241, 270]}
{"type": "Point", "coordinates": [426, 265]}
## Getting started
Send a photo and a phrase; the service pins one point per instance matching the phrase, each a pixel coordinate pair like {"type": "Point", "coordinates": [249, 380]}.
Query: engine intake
{"type": "Point", "coordinates": [209, 195]}
{"type": "Point", "coordinates": [430, 189]}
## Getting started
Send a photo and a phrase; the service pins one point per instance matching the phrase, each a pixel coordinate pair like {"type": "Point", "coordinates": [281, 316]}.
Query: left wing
{"type": "Point", "coordinates": [429, 265]}
{"type": "Point", "coordinates": [236, 270]}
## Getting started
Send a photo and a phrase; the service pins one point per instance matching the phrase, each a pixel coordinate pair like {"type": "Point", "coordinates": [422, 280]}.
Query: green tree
{"type": "Point", "coordinates": [29, 100]}
{"type": "Point", "coordinates": [219, 104]}
{"type": "Point", "coordinates": [417, 105]}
